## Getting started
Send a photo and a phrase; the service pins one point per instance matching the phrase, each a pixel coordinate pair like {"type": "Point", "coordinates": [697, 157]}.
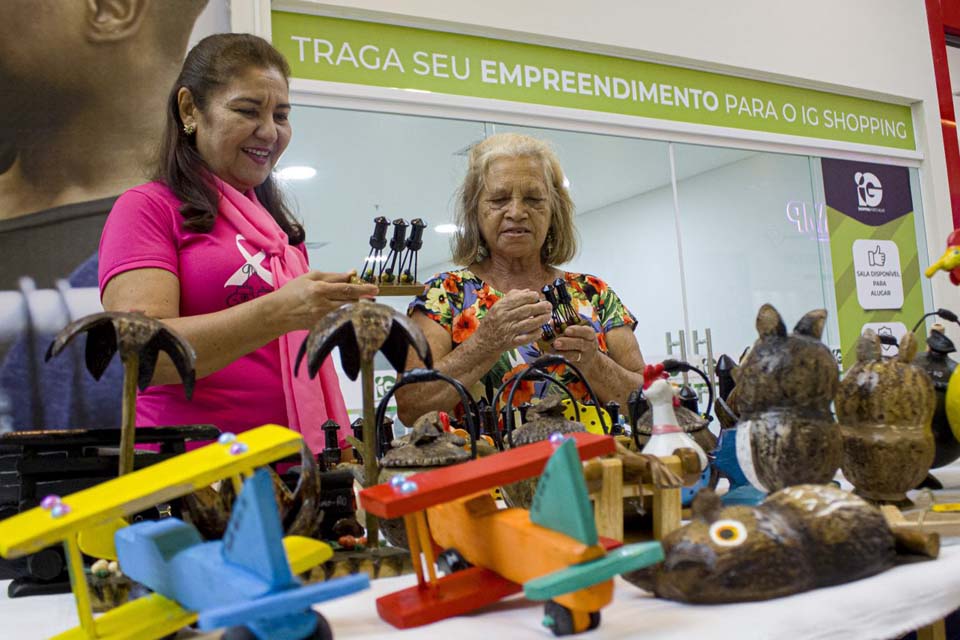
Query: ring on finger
{"type": "Point", "coordinates": [579, 355]}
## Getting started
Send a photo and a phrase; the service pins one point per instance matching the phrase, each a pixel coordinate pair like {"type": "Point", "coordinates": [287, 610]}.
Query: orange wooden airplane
{"type": "Point", "coordinates": [552, 552]}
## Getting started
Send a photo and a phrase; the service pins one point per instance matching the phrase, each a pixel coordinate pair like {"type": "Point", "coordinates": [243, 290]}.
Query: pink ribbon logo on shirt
{"type": "Point", "coordinates": [252, 264]}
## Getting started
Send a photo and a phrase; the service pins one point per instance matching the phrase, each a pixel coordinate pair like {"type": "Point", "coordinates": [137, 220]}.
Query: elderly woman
{"type": "Point", "coordinates": [211, 249]}
{"type": "Point", "coordinates": [482, 322]}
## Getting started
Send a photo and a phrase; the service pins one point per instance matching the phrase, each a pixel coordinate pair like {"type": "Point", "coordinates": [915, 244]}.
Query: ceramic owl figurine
{"type": "Point", "coordinates": [885, 407]}
{"type": "Point", "coordinates": [787, 434]}
{"type": "Point", "coordinates": [800, 538]}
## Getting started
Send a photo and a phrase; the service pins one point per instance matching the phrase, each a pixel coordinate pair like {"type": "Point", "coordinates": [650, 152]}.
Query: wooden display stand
{"type": "Point", "coordinates": [385, 562]}
{"type": "Point", "coordinates": [404, 290]}
{"type": "Point", "coordinates": [608, 500]}
{"type": "Point", "coordinates": [946, 523]}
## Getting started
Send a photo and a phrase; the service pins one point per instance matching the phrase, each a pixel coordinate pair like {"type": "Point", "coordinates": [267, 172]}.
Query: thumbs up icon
{"type": "Point", "coordinates": [876, 258]}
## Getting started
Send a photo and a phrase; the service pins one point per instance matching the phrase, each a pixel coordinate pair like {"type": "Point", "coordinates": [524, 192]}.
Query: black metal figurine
{"type": "Point", "coordinates": [377, 242]}
{"type": "Point", "coordinates": [388, 269]}
{"type": "Point", "coordinates": [409, 263]}
{"type": "Point", "coordinates": [565, 304]}
{"type": "Point", "coordinates": [331, 447]}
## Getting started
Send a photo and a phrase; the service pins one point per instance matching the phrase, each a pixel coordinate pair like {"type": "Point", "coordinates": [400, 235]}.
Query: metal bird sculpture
{"type": "Point", "coordinates": [361, 329]}
{"type": "Point", "coordinates": [139, 340]}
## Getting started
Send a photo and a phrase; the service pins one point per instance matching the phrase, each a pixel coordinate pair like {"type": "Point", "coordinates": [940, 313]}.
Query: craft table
{"type": "Point", "coordinates": [884, 606]}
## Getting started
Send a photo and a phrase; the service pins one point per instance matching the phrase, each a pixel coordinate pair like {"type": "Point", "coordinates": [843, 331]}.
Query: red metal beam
{"type": "Point", "coordinates": [951, 16]}
{"type": "Point", "coordinates": [948, 120]}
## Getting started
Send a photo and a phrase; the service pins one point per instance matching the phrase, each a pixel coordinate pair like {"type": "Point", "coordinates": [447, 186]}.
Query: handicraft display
{"type": "Point", "coordinates": [884, 406]}
{"type": "Point", "coordinates": [800, 538]}
{"type": "Point", "coordinates": [787, 434]}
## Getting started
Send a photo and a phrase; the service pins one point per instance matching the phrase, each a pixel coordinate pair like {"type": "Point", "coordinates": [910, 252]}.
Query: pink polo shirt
{"type": "Point", "coordinates": [216, 270]}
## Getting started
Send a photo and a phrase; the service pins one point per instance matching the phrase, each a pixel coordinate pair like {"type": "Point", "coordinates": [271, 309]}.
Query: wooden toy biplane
{"type": "Point", "coordinates": [552, 553]}
{"type": "Point", "coordinates": [247, 579]}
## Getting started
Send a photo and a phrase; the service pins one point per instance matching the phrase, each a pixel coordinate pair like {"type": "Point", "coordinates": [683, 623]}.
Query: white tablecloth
{"type": "Point", "coordinates": [883, 606]}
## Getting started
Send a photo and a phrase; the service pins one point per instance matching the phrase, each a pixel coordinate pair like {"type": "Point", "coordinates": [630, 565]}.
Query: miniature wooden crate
{"type": "Point", "coordinates": [608, 501]}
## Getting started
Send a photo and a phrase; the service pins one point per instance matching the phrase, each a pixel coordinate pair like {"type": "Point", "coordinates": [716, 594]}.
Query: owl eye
{"type": "Point", "coordinates": [728, 533]}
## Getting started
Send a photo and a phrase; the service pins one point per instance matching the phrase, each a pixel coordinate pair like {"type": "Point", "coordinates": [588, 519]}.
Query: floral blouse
{"type": "Point", "coordinates": [458, 300]}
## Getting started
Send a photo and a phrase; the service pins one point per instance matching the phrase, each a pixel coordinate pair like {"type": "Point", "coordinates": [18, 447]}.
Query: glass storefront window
{"type": "Point", "coordinates": [691, 237]}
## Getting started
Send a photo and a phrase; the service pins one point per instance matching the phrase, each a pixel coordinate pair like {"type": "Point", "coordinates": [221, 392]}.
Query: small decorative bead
{"type": "Point", "coordinates": [397, 481]}
{"type": "Point", "coordinates": [557, 438]}
{"type": "Point", "coordinates": [50, 501]}
{"type": "Point", "coordinates": [408, 487]}
{"type": "Point", "coordinates": [101, 569]}
{"type": "Point", "coordinates": [226, 438]}
{"type": "Point", "coordinates": [60, 510]}
{"type": "Point", "coordinates": [237, 448]}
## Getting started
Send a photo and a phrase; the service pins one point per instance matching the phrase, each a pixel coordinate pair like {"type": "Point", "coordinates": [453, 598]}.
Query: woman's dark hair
{"type": "Point", "coordinates": [209, 66]}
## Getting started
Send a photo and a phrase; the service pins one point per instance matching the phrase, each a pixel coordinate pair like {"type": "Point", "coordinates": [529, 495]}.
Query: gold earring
{"type": "Point", "coordinates": [190, 129]}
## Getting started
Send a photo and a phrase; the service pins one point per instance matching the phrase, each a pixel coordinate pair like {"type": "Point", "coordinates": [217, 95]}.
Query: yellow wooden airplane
{"type": "Point", "coordinates": [88, 519]}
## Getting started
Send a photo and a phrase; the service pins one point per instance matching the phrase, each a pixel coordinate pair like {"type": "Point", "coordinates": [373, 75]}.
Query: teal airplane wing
{"type": "Point", "coordinates": [561, 502]}
{"type": "Point", "coordinates": [586, 574]}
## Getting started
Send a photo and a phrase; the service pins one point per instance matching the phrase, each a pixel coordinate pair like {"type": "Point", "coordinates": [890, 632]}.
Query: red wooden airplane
{"type": "Point", "coordinates": [552, 553]}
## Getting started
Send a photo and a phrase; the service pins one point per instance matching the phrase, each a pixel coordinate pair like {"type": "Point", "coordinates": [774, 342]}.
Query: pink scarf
{"type": "Point", "coordinates": [310, 403]}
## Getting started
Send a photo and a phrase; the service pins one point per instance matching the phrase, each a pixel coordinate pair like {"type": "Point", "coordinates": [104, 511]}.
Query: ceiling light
{"type": "Point", "coordinates": [566, 182]}
{"type": "Point", "coordinates": [446, 228]}
{"type": "Point", "coordinates": [296, 173]}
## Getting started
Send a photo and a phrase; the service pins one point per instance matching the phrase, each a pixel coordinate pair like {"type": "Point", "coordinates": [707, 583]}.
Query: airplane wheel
{"type": "Point", "coordinates": [238, 633]}
{"type": "Point", "coordinates": [594, 620]}
{"type": "Point", "coordinates": [451, 561]}
{"type": "Point", "coordinates": [561, 620]}
{"type": "Point", "coordinates": [323, 630]}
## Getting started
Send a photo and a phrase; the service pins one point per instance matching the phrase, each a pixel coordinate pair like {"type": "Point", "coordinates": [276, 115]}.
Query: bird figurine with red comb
{"type": "Point", "coordinates": [666, 433]}
{"type": "Point", "coordinates": [950, 260]}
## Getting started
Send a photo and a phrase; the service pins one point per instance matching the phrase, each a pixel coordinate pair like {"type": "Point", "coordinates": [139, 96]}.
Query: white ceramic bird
{"type": "Point", "coordinates": [666, 434]}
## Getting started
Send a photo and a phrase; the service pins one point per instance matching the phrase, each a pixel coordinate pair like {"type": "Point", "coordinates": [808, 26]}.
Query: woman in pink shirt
{"type": "Point", "coordinates": [210, 248]}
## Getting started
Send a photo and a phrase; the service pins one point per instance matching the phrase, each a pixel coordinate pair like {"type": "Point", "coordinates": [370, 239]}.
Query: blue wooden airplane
{"type": "Point", "coordinates": [242, 580]}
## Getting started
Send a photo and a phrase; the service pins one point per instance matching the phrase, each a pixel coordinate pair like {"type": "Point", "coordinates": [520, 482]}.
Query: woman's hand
{"type": "Point", "coordinates": [307, 298]}
{"type": "Point", "coordinates": [578, 344]}
{"type": "Point", "coordinates": [513, 321]}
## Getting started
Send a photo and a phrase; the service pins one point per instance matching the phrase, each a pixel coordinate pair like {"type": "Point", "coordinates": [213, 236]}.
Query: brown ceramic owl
{"type": "Point", "coordinates": [885, 407]}
{"type": "Point", "coordinates": [799, 538]}
{"type": "Point", "coordinates": [787, 434]}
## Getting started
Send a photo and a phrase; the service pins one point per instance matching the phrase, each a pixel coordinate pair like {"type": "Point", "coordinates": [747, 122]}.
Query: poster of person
{"type": "Point", "coordinates": [82, 91]}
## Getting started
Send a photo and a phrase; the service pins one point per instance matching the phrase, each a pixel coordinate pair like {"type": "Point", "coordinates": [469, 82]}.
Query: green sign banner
{"type": "Point", "coordinates": [873, 248]}
{"type": "Point", "coordinates": [367, 53]}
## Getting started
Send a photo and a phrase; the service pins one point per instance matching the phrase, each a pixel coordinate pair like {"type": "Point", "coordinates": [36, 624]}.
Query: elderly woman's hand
{"type": "Point", "coordinates": [513, 321]}
{"type": "Point", "coordinates": [578, 344]}
{"type": "Point", "coordinates": [306, 299]}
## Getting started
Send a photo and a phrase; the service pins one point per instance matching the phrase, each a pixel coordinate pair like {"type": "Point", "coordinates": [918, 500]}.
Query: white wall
{"type": "Point", "coordinates": [953, 61]}
{"type": "Point", "coordinates": [215, 18]}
